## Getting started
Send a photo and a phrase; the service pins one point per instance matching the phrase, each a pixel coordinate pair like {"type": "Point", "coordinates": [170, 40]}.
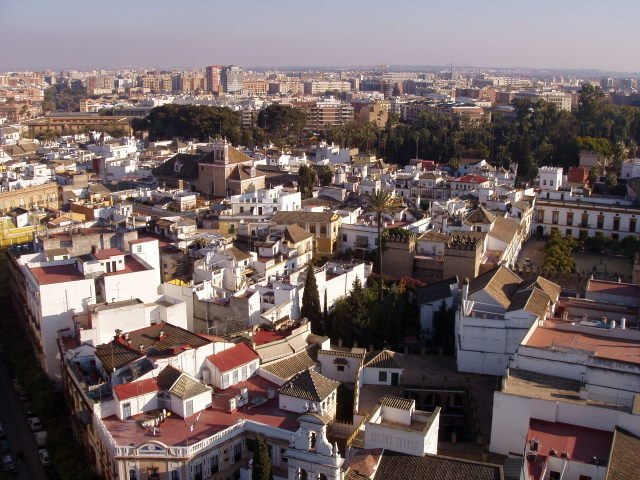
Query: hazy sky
{"type": "Point", "coordinates": [83, 34]}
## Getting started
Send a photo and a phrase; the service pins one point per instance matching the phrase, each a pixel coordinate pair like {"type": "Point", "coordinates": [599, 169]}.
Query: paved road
{"type": "Point", "coordinates": [17, 429]}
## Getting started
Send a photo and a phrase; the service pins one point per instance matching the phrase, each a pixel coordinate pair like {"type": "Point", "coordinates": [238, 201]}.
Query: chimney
{"type": "Point", "coordinates": [161, 336]}
{"type": "Point", "coordinates": [465, 288]}
{"type": "Point", "coordinates": [141, 347]}
{"type": "Point", "coordinates": [623, 323]}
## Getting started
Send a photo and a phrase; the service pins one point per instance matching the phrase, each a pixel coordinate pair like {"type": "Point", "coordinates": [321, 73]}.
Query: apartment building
{"type": "Point", "coordinates": [324, 225]}
{"type": "Point", "coordinates": [325, 113]}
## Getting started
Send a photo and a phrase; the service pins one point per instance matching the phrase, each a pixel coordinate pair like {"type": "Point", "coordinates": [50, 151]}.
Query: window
{"type": "Point", "coordinates": [344, 237]}
{"type": "Point", "coordinates": [551, 182]}
{"type": "Point", "coordinates": [126, 410]}
{"type": "Point", "coordinates": [585, 220]}
{"type": "Point", "coordinates": [554, 217]}
{"type": "Point", "coordinates": [569, 219]}
{"type": "Point", "coordinates": [553, 475]}
{"type": "Point", "coordinates": [133, 475]}
{"type": "Point", "coordinates": [341, 368]}
{"type": "Point", "coordinates": [237, 452]}
{"type": "Point", "coordinates": [382, 376]}
{"type": "Point", "coordinates": [632, 225]}
{"type": "Point", "coordinates": [323, 230]}
{"type": "Point", "coordinates": [616, 223]}
{"type": "Point", "coordinates": [600, 224]}
{"type": "Point", "coordinates": [175, 475]}
{"type": "Point", "coordinates": [584, 477]}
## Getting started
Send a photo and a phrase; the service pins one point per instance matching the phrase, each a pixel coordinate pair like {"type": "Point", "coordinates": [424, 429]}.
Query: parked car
{"type": "Point", "coordinates": [44, 456]}
{"type": "Point", "coordinates": [34, 424]}
{"type": "Point", "coordinates": [7, 463]}
{"type": "Point", "coordinates": [40, 438]}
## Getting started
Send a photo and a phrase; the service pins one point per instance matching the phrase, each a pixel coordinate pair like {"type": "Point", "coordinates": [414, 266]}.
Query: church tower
{"type": "Point", "coordinates": [310, 455]}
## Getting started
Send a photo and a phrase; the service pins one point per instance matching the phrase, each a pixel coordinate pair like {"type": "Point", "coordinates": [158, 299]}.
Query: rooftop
{"type": "Point", "coordinates": [399, 466]}
{"type": "Point", "coordinates": [553, 336]}
{"type": "Point", "coordinates": [624, 461]}
{"type": "Point", "coordinates": [613, 288]}
{"type": "Point", "coordinates": [175, 432]}
{"type": "Point", "coordinates": [233, 357]}
{"type": "Point", "coordinates": [580, 443]}
{"type": "Point", "coordinates": [52, 274]}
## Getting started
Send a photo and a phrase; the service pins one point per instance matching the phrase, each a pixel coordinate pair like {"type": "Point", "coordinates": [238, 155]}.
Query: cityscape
{"type": "Point", "coordinates": [343, 257]}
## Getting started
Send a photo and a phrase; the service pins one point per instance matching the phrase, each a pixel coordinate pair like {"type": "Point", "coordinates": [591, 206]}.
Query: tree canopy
{"type": "Point", "coordinates": [190, 121]}
{"type": "Point", "coordinates": [262, 468]}
{"type": "Point", "coordinates": [311, 301]}
{"type": "Point", "coordinates": [281, 122]}
{"type": "Point", "coordinates": [558, 253]}
{"type": "Point", "coordinates": [306, 180]}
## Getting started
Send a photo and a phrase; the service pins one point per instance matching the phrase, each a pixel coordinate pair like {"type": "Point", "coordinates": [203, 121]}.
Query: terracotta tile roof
{"type": "Point", "coordinates": [267, 336]}
{"type": "Point", "coordinates": [434, 236]}
{"type": "Point", "coordinates": [309, 385]}
{"type": "Point", "coordinates": [233, 357]}
{"type": "Point", "coordinates": [168, 377]}
{"type": "Point", "coordinates": [381, 359]}
{"type": "Point", "coordinates": [237, 254]}
{"type": "Point", "coordinates": [500, 283]}
{"type": "Point", "coordinates": [187, 387]}
{"type": "Point", "coordinates": [298, 217]}
{"type": "Point", "coordinates": [471, 178]}
{"type": "Point", "coordinates": [397, 402]}
{"type": "Point", "coordinates": [548, 287]}
{"type": "Point", "coordinates": [533, 300]}
{"type": "Point", "coordinates": [480, 215]}
{"type": "Point", "coordinates": [400, 466]}
{"type": "Point", "coordinates": [290, 366]}
{"type": "Point", "coordinates": [296, 234]}
{"type": "Point", "coordinates": [173, 341]}
{"type": "Point", "coordinates": [113, 355]}
{"type": "Point", "coordinates": [624, 461]}
{"type": "Point", "coordinates": [504, 229]}
{"type": "Point", "coordinates": [135, 389]}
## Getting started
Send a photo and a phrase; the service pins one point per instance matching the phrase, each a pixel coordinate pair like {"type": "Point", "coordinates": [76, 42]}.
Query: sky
{"type": "Point", "coordinates": [87, 34]}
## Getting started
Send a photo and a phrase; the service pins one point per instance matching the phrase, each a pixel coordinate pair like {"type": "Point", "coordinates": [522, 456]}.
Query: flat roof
{"type": "Point", "coordinates": [613, 288]}
{"type": "Point", "coordinates": [580, 443]}
{"type": "Point", "coordinates": [51, 274]}
{"type": "Point", "coordinates": [551, 336]}
{"type": "Point", "coordinates": [173, 432]}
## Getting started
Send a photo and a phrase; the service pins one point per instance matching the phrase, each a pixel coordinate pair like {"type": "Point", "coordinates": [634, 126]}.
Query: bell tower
{"type": "Point", "coordinates": [310, 455]}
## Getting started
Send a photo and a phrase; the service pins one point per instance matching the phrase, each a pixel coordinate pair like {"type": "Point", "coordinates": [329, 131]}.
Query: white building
{"type": "Point", "coordinates": [497, 310]}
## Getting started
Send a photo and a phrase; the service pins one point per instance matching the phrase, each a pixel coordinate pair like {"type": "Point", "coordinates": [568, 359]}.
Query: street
{"type": "Point", "coordinates": [17, 430]}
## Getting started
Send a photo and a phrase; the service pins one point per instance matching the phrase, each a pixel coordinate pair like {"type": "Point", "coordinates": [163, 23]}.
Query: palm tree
{"type": "Point", "coordinates": [380, 202]}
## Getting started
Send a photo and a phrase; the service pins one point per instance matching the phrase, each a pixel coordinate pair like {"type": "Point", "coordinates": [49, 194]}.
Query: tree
{"type": "Point", "coordinates": [307, 180]}
{"type": "Point", "coordinates": [359, 311]}
{"type": "Point", "coordinates": [282, 122]}
{"type": "Point", "coordinates": [325, 175]}
{"type": "Point", "coordinates": [558, 253]}
{"type": "Point", "coordinates": [311, 302]}
{"type": "Point", "coordinates": [380, 202]}
{"type": "Point", "coordinates": [262, 468]}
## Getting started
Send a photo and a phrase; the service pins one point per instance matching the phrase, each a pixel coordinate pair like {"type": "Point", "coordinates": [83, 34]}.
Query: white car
{"type": "Point", "coordinates": [35, 424]}
{"type": "Point", "coordinates": [44, 456]}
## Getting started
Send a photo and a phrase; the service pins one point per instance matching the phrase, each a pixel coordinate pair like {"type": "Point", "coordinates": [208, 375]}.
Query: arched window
{"type": "Point", "coordinates": [312, 441]}
{"type": "Point", "coordinates": [302, 474]}
{"type": "Point", "coordinates": [322, 476]}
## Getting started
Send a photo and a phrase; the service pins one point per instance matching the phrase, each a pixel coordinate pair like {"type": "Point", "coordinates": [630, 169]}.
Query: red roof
{"type": "Point", "coordinates": [108, 253]}
{"type": "Point", "coordinates": [613, 288]}
{"type": "Point", "coordinates": [267, 336]}
{"type": "Point", "coordinates": [472, 178]}
{"type": "Point", "coordinates": [56, 274]}
{"type": "Point", "coordinates": [580, 443]}
{"type": "Point", "coordinates": [233, 357]}
{"type": "Point", "coordinates": [142, 240]}
{"type": "Point", "coordinates": [135, 389]}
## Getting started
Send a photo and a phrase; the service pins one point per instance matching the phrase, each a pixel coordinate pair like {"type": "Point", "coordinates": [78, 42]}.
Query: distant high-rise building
{"type": "Point", "coordinates": [213, 78]}
{"type": "Point", "coordinates": [232, 79]}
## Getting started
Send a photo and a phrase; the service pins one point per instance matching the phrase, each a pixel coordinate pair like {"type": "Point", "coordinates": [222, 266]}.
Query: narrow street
{"type": "Point", "coordinates": [14, 423]}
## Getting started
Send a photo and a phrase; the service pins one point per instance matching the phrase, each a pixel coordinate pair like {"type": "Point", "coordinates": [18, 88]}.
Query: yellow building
{"type": "Point", "coordinates": [323, 225]}
{"type": "Point", "coordinates": [77, 123]}
{"type": "Point", "coordinates": [41, 195]}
